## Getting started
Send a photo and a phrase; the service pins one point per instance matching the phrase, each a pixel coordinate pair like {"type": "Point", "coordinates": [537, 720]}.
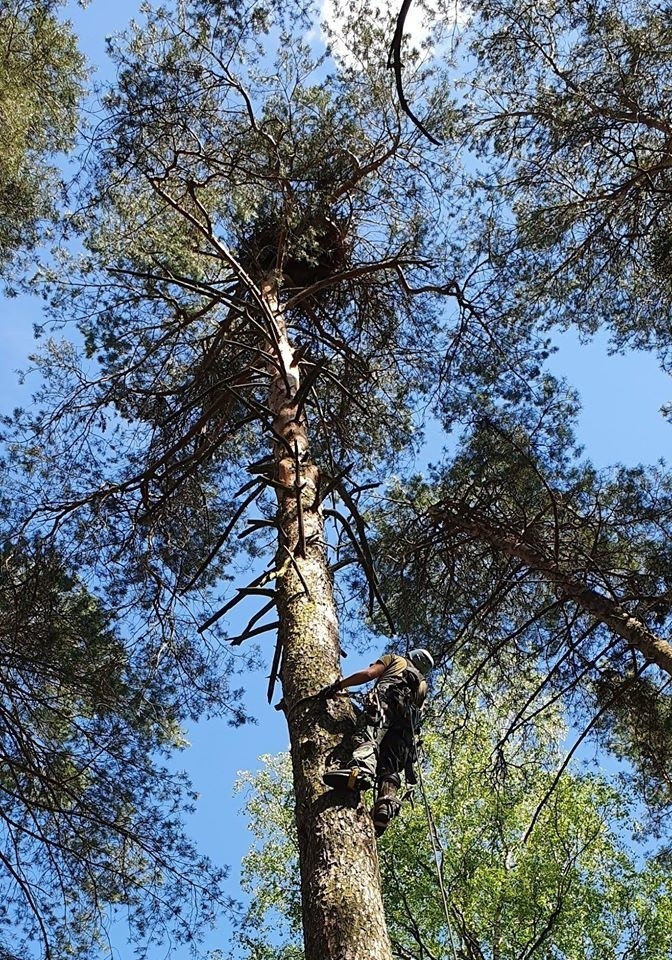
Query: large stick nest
{"type": "Point", "coordinates": [304, 255]}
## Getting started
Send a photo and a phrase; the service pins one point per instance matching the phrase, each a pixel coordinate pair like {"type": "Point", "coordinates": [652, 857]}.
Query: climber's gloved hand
{"type": "Point", "coordinates": [332, 690]}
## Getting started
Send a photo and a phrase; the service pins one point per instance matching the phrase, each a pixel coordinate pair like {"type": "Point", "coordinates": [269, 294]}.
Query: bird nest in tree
{"type": "Point", "coordinates": [307, 254]}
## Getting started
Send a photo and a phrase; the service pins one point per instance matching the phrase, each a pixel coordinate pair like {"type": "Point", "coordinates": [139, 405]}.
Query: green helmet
{"type": "Point", "coordinates": [422, 660]}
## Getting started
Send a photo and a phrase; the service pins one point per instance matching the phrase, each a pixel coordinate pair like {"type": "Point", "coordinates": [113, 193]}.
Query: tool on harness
{"type": "Point", "coordinates": [409, 795]}
{"type": "Point", "coordinates": [374, 708]}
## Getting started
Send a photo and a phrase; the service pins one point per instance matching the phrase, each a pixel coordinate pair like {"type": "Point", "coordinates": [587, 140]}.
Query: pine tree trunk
{"type": "Point", "coordinates": [633, 630]}
{"type": "Point", "coordinates": [343, 917]}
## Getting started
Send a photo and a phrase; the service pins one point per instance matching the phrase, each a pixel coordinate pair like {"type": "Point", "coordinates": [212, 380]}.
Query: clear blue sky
{"type": "Point", "coordinates": [620, 422]}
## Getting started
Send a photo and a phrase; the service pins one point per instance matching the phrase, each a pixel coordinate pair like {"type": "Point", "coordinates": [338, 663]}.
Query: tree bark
{"type": "Point", "coordinates": [343, 916]}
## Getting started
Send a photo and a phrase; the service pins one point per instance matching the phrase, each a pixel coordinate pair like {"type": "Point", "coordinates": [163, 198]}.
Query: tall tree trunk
{"type": "Point", "coordinates": [343, 917]}
{"type": "Point", "coordinates": [656, 649]}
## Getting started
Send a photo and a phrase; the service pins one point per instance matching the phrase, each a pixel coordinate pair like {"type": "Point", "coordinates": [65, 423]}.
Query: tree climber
{"type": "Point", "coordinates": [384, 736]}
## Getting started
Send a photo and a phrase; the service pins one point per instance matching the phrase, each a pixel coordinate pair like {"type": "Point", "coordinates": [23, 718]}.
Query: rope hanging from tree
{"type": "Point", "coordinates": [436, 847]}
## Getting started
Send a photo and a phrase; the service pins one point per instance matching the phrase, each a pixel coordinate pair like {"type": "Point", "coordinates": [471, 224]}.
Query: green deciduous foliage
{"type": "Point", "coordinates": [271, 926]}
{"type": "Point", "coordinates": [41, 76]}
{"type": "Point", "coordinates": [90, 818]}
{"type": "Point", "coordinates": [522, 879]}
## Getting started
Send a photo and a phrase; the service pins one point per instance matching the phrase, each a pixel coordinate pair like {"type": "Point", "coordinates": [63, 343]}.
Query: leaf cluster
{"type": "Point", "coordinates": [225, 164]}
{"type": "Point", "coordinates": [567, 109]}
{"type": "Point", "coordinates": [517, 559]}
{"type": "Point", "coordinates": [566, 888]}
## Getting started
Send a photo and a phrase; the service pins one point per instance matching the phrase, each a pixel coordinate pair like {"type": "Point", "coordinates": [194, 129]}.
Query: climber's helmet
{"type": "Point", "coordinates": [422, 660]}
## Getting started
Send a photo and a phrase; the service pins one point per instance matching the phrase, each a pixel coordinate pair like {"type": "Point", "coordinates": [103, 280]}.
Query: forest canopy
{"type": "Point", "coordinates": [273, 302]}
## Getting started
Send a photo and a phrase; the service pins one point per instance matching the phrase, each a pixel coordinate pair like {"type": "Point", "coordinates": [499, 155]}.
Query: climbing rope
{"type": "Point", "coordinates": [437, 849]}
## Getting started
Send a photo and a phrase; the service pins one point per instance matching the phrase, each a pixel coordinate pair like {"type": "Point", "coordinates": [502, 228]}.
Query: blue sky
{"type": "Point", "coordinates": [620, 422]}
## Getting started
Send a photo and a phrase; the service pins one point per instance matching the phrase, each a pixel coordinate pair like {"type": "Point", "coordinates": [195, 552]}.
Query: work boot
{"type": "Point", "coordinates": [347, 778]}
{"type": "Point", "coordinates": [386, 807]}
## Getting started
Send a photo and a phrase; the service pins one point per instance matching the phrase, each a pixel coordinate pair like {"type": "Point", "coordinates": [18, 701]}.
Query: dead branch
{"type": "Point", "coordinates": [246, 634]}
{"type": "Point", "coordinates": [275, 667]}
{"type": "Point", "coordinates": [367, 567]}
{"type": "Point", "coordinates": [394, 62]}
{"type": "Point", "coordinates": [224, 537]}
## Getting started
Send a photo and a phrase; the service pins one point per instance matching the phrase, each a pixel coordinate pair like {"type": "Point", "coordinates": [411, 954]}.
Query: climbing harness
{"type": "Point", "coordinates": [386, 709]}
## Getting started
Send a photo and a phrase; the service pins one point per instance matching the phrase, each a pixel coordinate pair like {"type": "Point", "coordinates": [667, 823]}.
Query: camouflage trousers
{"type": "Point", "coordinates": [382, 746]}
